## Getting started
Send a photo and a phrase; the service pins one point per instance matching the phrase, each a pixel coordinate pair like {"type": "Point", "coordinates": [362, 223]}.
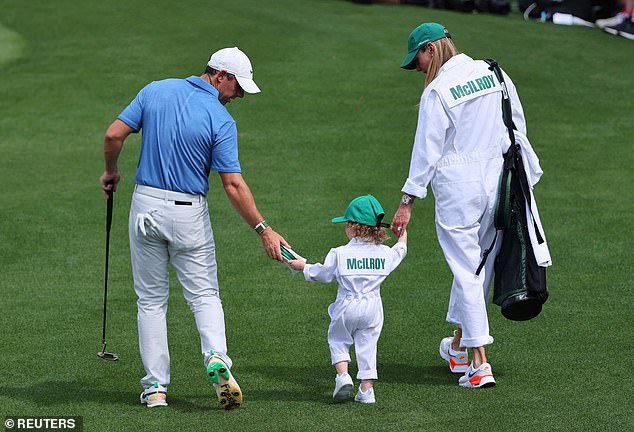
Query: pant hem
{"type": "Point", "coordinates": [476, 342]}
{"type": "Point", "coordinates": [224, 357]}
{"type": "Point", "coordinates": [340, 358]}
{"type": "Point", "coordinates": [369, 374]}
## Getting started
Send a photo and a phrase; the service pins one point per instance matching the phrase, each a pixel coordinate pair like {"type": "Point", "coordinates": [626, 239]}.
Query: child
{"type": "Point", "coordinates": [357, 314]}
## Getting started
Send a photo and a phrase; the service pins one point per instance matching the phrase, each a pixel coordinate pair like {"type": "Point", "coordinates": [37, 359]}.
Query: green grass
{"type": "Point", "coordinates": [335, 120]}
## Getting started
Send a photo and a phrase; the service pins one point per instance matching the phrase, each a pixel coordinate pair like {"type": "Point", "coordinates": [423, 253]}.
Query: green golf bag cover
{"type": "Point", "coordinates": [519, 284]}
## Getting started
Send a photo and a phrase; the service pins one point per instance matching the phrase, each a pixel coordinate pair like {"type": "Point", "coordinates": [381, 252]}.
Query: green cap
{"type": "Point", "coordinates": [419, 37]}
{"type": "Point", "coordinates": [365, 210]}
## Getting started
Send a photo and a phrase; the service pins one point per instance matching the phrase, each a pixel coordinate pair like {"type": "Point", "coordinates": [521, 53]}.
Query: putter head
{"type": "Point", "coordinates": [108, 356]}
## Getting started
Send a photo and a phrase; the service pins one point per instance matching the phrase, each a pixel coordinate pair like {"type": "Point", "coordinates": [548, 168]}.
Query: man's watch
{"type": "Point", "coordinates": [406, 200]}
{"type": "Point", "coordinates": [259, 228]}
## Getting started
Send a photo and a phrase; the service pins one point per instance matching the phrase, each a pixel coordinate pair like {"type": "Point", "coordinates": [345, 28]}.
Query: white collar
{"type": "Point", "coordinates": [455, 61]}
{"type": "Point", "coordinates": [360, 241]}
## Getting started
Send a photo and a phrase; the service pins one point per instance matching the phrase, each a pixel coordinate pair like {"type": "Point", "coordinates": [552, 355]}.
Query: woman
{"type": "Point", "coordinates": [459, 143]}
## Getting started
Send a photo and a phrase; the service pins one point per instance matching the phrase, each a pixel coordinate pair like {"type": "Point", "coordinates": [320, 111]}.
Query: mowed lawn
{"type": "Point", "coordinates": [335, 120]}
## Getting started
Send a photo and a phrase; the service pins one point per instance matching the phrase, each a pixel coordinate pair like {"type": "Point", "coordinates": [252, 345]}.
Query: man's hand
{"type": "Point", "coordinates": [401, 219]}
{"type": "Point", "coordinates": [109, 181]}
{"type": "Point", "coordinates": [271, 243]}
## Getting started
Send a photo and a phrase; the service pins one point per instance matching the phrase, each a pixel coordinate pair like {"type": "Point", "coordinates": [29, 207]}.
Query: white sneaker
{"type": "Point", "coordinates": [458, 360]}
{"type": "Point", "coordinates": [367, 397]}
{"type": "Point", "coordinates": [155, 395]}
{"type": "Point", "coordinates": [615, 20]}
{"type": "Point", "coordinates": [477, 378]}
{"type": "Point", "coordinates": [343, 387]}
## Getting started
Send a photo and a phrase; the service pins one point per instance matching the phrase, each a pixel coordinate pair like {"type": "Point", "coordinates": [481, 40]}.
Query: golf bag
{"type": "Point", "coordinates": [519, 285]}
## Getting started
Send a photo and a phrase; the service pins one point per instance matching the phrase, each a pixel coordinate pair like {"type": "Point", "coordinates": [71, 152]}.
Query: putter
{"type": "Point", "coordinates": [103, 354]}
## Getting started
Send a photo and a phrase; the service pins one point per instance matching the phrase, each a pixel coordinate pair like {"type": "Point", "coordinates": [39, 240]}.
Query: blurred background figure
{"type": "Point", "coordinates": [616, 19]}
{"type": "Point", "coordinates": [573, 12]}
{"type": "Point", "coordinates": [621, 24]}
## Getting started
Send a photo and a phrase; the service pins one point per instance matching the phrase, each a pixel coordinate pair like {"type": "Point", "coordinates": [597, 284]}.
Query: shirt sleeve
{"type": "Point", "coordinates": [429, 141]}
{"type": "Point", "coordinates": [224, 153]}
{"type": "Point", "coordinates": [399, 251]}
{"type": "Point", "coordinates": [325, 272]}
{"type": "Point", "coordinates": [516, 105]}
{"type": "Point", "coordinates": [133, 114]}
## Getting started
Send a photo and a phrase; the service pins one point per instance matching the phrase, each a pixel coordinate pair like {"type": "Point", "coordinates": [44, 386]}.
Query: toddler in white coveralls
{"type": "Point", "coordinates": [357, 313]}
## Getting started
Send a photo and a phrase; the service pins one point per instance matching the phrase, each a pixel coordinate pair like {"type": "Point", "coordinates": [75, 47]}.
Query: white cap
{"type": "Point", "coordinates": [237, 63]}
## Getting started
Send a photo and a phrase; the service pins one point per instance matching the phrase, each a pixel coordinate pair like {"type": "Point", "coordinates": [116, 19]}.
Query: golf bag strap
{"type": "Point", "coordinates": [513, 159]}
{"type": "Point", "coordinates": [486, 253]}
{"type": "Point", "coordinates": [502, 211]}
{"type": "Point", "coordinates": [523, 181]}
{"type": "Point", "coordinates": [507, 113]}
{"type": "Point", "coordinates": [509, 159]}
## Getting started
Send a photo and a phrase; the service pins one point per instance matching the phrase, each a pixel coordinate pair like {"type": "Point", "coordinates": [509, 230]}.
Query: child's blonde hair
{"type": "Point", "coordinates": [376, 234]}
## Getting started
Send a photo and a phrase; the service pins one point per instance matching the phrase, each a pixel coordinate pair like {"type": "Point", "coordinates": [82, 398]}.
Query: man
{"type": "Point", "coordinates": [187, 132]}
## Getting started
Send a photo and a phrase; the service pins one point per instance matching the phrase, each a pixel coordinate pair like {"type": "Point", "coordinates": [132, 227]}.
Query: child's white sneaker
{"type": "Point", "coordinates": [367, 397]}
{"type": "Point", "coordinates": [458, 360]}
{"type": "Point", "coordinates": [343, 387]}
{"type": "Point", "coordinates": [477, 377]}
{"type": "Point", "coordinates": [155, 395]}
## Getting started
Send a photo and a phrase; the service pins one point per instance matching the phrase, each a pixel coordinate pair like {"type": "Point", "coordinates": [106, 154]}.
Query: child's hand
{"type": "Point", "coordinates": [297, 265]}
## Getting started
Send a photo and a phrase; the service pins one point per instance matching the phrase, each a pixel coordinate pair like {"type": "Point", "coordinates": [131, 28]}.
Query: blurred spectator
{"type": "Point", "coordinates": [622, 24]}
{"type": "Point", "coordinates": [569, 12]}
{"type": "Point", "coordinates": [498, 7]}
{"type": "Point", "coordinates": [614, 20]}
{"type": "Point", "coordinates": [613, 16]}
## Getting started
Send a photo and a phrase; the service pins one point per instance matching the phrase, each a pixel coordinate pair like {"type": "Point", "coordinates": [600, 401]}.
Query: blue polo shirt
{"type": "Point", "coordinates": [186, 133]}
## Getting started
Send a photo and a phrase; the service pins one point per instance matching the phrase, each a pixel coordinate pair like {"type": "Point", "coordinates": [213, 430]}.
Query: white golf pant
{"type": "Point", "coordinates": [163, 230]}
{"type": "Point", "coordinates": [356, 319]}
{"type": "Point", "coordinates": [465, 188]}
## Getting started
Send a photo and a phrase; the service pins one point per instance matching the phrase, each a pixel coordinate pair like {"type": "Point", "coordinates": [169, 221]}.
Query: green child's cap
{"type": "Point", "coordinates": [419, 37]}
{"type": "Point", "coordinates": [365, 210]}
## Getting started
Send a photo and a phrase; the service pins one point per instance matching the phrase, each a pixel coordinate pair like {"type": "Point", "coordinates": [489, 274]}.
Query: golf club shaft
{"type": "Point", "coordinates": [105, 289]}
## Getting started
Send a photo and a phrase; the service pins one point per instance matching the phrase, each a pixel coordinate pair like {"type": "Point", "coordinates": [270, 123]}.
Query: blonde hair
{"type": "Point", "coordinates": [445, 49]}
{"type": "Point", "coordinates": [375, 234]}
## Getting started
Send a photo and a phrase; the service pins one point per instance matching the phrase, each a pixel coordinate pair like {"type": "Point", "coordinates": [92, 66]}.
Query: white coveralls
{"type": "Point", "coordinates": [459, 143]}
{"type": "Point", "coordinates": [357, 313]}
{"type": "Point", "coordinates": [164, 230]}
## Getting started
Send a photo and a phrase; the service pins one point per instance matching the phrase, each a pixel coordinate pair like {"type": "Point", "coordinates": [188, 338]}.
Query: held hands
{"type": "Point", "coordinates": [293, 260]}
{"type": "Point", "coordinates": [401, 220]}
{"type": "Point", "coordinates": [297, 265]}
{"type": "Point", "coordinates": [403, 236]}
{"type": "Point", "coordinates": [271, 242]}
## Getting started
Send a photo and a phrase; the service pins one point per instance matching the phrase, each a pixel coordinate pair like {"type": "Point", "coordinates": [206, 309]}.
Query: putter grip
{"type": "Point", "coordinates": [289, 256]}
{"type": "Point", "coordinates": [109, 211]}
